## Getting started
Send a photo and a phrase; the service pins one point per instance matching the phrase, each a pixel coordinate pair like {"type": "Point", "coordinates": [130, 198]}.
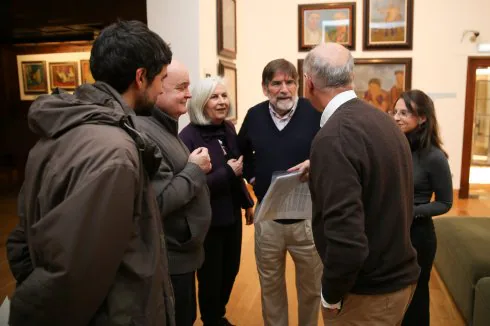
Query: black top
{"type": "Point", "coordinates": [361, 184]}
{"type": "Point", "coordinates": [267, 149]}
{"type": "Point", "coordinates": [431, 175]}
{"type": "Point", "coordinates": [228, 192]}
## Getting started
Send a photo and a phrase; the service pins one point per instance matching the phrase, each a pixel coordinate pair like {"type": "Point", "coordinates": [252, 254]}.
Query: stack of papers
{"type": "Point", "coordinates": [286, 198]}
{"type": "Point", "coordinates": [4, 312]}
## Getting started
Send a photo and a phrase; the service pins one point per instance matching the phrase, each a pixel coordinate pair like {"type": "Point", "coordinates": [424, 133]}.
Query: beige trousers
{"type": "Point", "coordinates": [272, 241]}
{"type": "Point", "coordinates": [371, 310]}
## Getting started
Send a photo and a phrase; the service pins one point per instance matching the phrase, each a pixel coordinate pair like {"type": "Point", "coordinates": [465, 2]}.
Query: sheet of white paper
{"type": "Point", "coordinates": [286, 198]}
{"type": "Point", "coordinates": [4, 312]}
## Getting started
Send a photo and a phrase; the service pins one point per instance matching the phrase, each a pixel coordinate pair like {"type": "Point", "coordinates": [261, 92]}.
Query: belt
{"type": "Point", "coordinates": [288, 221]}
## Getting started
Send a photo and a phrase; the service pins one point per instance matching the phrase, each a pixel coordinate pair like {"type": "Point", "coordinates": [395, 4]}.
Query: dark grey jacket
{"type": "Point", "coordinates": [182, 194]}
{"type": "Point", "coordinates": [88, 248]}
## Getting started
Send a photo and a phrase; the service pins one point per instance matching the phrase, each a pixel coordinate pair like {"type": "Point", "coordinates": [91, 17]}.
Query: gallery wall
{"type": "Point", "coordinates": [189, 26]}
{"type": "Point", "coordinates": [268, 30]}
{"type": "Point", "coordinates": [16, 139]}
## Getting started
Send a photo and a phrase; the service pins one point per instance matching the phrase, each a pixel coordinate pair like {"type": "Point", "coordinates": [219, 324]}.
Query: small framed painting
{"type": "Point", "coordinates": [228, 71]}
{"type": "Point", "coordinates": [86, 74]}
{"type": "Point", "coordinates": [34, 77]}
{"type": "Point", "coordinates": [63, 75]}
{"type": "Point", "coordinates": [381, 81]}
{"type": "Point", "coordinates": [327, 22]}
{"type": "Point", "coordinates": [226, 16]}
{"type": "Point", "coordinates": [388, 24]}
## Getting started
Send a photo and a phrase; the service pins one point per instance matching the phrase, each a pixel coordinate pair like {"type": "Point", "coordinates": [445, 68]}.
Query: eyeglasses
{"type": "Point", "coordinates": [401, 113]}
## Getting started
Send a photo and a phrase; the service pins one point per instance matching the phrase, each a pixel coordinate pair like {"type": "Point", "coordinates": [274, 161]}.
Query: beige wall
{"type": "Point", "coordinates": [190, 28]}
{"type": "Point", "coordinates": [269, 29]}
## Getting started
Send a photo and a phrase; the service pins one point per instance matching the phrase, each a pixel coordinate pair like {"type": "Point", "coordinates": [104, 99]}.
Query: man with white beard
{"type": "Point", "coordinates": [276, 135]}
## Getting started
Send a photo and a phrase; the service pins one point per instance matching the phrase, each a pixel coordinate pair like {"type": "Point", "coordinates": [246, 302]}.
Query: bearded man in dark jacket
{"type": "Point", "coordinates": [88, 249]}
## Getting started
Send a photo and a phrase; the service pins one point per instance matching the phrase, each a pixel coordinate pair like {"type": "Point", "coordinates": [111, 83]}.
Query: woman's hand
{"type": "Point", "coordinates": [236, 165]}
{"type": "Point", "coordinates": [249, 215]}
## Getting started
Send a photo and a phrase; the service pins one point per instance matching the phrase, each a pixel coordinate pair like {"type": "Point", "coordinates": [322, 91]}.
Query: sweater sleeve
{"type": "Point", "coordinates": [340, 214]}
{"type": "Point", "coordinates": [441, 182]}
{"type": "Point", "coordinates": [245, 146]}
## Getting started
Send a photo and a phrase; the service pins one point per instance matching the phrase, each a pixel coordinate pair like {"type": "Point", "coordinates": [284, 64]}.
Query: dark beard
{"type": "Point", "coordinates": [144, 105]}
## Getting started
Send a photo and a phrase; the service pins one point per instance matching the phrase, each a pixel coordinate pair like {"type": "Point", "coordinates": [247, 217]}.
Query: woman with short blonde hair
{"type": "Point", "coordinates": [201, 93]}
{"type": "Point", "coordinates": [209, 128]}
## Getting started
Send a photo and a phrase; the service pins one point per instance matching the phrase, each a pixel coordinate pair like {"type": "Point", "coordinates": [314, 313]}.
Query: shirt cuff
{"type": "Point", "coordinates": [327, 305]}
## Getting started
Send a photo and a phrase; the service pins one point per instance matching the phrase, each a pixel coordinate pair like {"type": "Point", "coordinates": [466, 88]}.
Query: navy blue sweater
{"type": "Point", "coordinates": [265, 149]}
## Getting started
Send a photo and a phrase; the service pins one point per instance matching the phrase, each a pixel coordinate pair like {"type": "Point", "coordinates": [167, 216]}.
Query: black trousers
{"type": "Point", "coordinates": [185, 298]}
{"type": "Point", "coordinates": [222, 249]}
{"type": "Point", "coordinates": [424, 241]}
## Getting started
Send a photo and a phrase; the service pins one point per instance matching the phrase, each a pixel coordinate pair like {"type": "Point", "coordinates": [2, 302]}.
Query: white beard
{"type": "Point", "coordinates": [284, 105]}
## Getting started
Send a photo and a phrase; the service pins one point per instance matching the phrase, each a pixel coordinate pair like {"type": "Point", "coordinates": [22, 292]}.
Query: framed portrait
{"type": "Point", "coordinates": [381, 81]}
{"type": "Point", "coordinates": [227, 70]}
{"type": "Point", "coordinates": [85, 72]}
{"type": "Point", "coordinates": [226, 16]}
{"type": "Point", "coordinates": [63, 75]}
{"type": "Point", "coordinates": [301, 79]}
{"type": "Point", "coordinates": [388, 24]}
{"type": "Point", "coordinates": [34, 77]}
{"type": "Point", "coordinates": [327, 22]}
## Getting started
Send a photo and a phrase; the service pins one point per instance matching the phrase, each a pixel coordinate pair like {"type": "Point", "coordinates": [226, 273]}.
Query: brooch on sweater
{"type": "Point", "coordinates": [222, 147]}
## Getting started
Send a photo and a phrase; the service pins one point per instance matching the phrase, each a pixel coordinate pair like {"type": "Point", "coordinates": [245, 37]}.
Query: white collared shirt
{"type": "Point", "coordinates": [335, 103]}
{"type": "Point", "coordinates": [282, 122]}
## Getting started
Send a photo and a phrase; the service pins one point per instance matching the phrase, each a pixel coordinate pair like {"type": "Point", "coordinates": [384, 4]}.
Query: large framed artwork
{"type": "Point", "coordinates": [388, 24]}
{"type": "Point", "coordinates": [34, 77]}
{"type": "Point", "coordinates": [381, 81]}
{"type": "Point", "coordinates": [226, 15]}
{"type": "Point", "coordinates": [301, 79]}
{"type": "Point", "coordinates": [229, 73]}
{"type": "Point", "coordinates": [63, 75]}
{"type": "Point", "coordinates": [85, 72]}
{"type": "Point", "coordinates": [326, 22]}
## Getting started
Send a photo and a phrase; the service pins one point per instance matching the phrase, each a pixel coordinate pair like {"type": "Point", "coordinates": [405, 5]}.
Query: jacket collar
{"type": "Point", "coordinates": [167, 121]}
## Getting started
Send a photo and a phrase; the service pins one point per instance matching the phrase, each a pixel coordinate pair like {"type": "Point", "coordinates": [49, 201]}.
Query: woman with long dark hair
{"type": "Point", "coordinates": [414, 113]}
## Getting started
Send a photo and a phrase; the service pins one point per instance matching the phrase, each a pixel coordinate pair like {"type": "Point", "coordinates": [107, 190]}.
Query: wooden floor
{"type": "Point", "coordinates": [244, 307]}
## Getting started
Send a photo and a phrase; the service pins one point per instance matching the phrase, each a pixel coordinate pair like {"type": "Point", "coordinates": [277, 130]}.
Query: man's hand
{"type": "Point", "coordinates": [200, 156]}
{"type": "Point", "coordinates": [249, 215]}
{"type": "Point", "coordinates": [236, 165]}
{"type": "Point", "coordinates": [303, 167]}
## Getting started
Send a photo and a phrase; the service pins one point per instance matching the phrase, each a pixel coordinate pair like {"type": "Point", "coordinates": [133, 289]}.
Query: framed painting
{"type": "Point", "coordinates": [34, 77]}
{"type": "Point", "coordinates": [228, 71]}
{"type": "Point", "coordinates": [327, 22]}
{"type": "Point", "coordinates": [301, 79]}
{"type": "Point", "coordinates": [388, 24]}
{"type": "Point", "coordinates": [381, 81]}
{"type": "Point", "coordinates": [226, 16]}
{"type": "Point", "coordinates": [85, 72]}
{"type": "Point", "coordinates": [63, 75]}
